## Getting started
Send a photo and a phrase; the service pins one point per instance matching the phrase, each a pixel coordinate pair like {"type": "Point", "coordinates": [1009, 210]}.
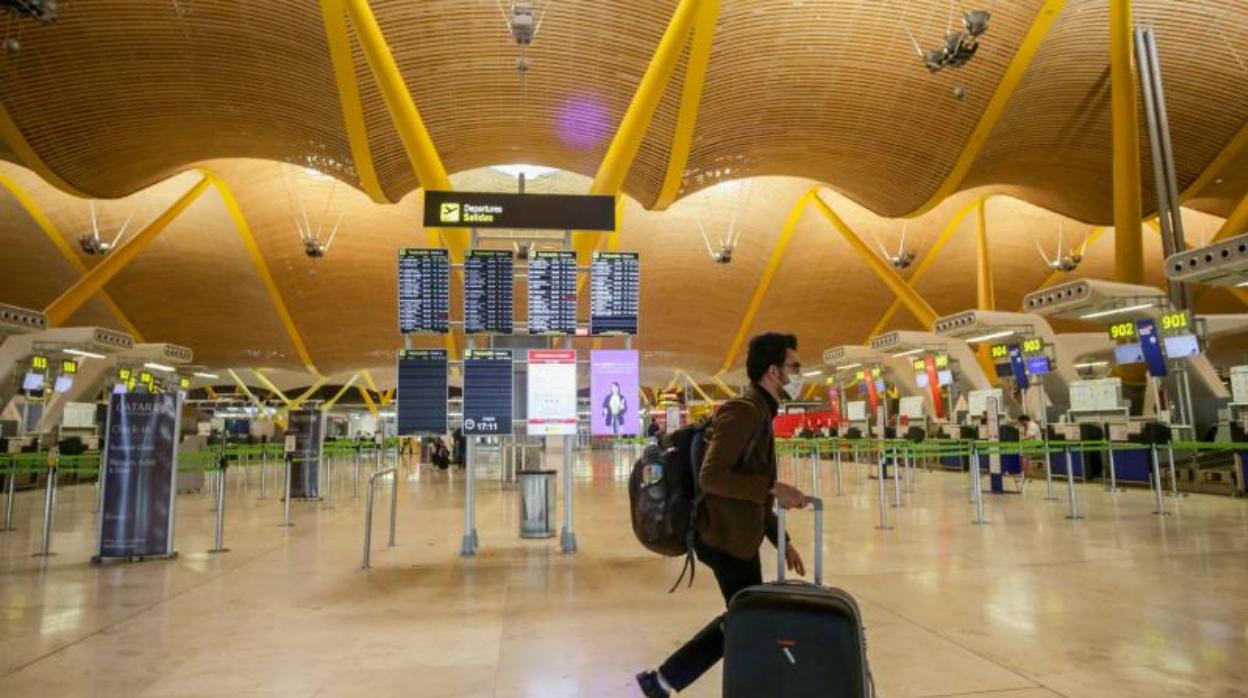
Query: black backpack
{"type": "Point", "coordinates": [664, 496]}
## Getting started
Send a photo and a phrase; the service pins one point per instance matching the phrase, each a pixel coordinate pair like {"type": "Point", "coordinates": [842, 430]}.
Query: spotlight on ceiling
{"type": "Point", "coordinates": [45, 11]}
{"type": "Point", "coordinates": [523, 23]}
{"type": "Point", "coordinates": [93, 245]}
{"type": "Point", "coordinates": [959, 45]}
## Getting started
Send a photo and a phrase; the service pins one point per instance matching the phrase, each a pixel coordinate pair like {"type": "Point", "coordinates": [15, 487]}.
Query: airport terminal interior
{"type": "Point", "coordinates": [364, 347]}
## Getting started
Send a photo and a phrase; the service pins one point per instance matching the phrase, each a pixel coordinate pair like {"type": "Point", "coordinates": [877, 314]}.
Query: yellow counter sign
{"type": "Point", "coordinates": [1122, 330]}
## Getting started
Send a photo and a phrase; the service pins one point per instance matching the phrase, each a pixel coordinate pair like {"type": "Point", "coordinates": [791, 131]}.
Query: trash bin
{"type": "Point", "coordinates": [537, 503]}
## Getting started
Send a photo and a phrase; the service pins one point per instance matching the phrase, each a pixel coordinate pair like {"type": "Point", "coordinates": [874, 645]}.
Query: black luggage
{"type": "Point", "coordinates": [794, 639]}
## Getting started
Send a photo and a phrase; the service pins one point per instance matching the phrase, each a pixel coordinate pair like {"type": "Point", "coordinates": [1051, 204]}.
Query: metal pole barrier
{"type": "Point", "coordinates": [896, 479]}
{"type": "Point", "coordinates": [286, 521]}
{"type": "Point", "coordinates": [468, 544]}
{"type": "Point", "coordinates": [1048, 472]}
{"type": "Point", "coordinates": [1070, 486]}
{"type": "Point", "coordinates": [394, 503]}
{"type": "Point", "coordinates": [883, 498]}
{"type": "Point", "coordinates": [977, 487]}
{"type": "Point", "coordinates": [49, 502]}
{"type": "Point", "coordinates": [815, 480]}
{"type": "Point", "coordinates": [219, 547]}
{"type": "Point", "coordinates": [368, 510]}
{"type": "Point", "coordinates": [1161, 502]}
{"type": "Point", "coordinates": [1112, 486]}
{"type": "Point", "coordinates": [10, 487]}
{"type": "Point", "coordinates": [355, 491]}
{"type": "Point", "coordinates": [1174, 480]}
{"type": "Point", "coordinates": [567, 541]}
{"type": "Point", "coordinates": [264, 465]}
{"type": "Point", "coordinates": [909, 469]}
{"type": "Point", "coordinates": [840, 486]}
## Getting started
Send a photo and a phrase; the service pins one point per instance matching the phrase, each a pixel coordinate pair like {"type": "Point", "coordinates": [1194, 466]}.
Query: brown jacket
{"type": "Point", "coordinates": [737, 505]}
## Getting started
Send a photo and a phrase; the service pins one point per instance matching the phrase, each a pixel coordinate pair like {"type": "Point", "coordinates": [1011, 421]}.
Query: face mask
{"type": "Point", "coordinates": [793, 388]}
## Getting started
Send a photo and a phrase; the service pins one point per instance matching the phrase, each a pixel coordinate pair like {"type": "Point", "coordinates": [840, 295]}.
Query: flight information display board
{"type": "Point", "coordinates": [552, 292]}
{"type": "Point", "coordinates": [488, 304]}
{"type": "Point", "coordinates": [614, 295]}
{"type": "Point", "coordinates": [424, 290]}
{"type": "Point", "coordinates": [487, 392]}
{"type": "Point", "coordinates": [422, 392]}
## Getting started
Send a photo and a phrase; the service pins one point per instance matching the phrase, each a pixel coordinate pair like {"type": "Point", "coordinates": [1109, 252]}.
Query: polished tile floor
{"type": "Point", "coordinates": [1121, 603]}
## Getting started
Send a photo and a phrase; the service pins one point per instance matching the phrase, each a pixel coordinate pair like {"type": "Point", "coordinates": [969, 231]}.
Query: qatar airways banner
{"type": "Point", "coordinates": [614, 393]}
{"type": "Point", "coordinates": [139, 466]}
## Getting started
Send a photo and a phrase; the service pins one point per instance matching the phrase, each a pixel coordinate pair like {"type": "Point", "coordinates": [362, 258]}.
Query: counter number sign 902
{"type": "Point", "coordinates": [1122, 330]}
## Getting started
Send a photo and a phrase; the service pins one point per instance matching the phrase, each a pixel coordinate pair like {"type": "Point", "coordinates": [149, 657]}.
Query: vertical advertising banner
{"type": "Point", "coordinates": [614, 393]}
{"type": "Point", "coordinates": [551, 392]}
{"type": "Point", "coordinates": [139, 467]}
{"type": "Point", "coordinates": [834, 404]}
{"type": "Point", "coordinates": [933, 384]}
{"type": "Point", "coordinates": [1018, 367]}
{"type": "Point", "coordinates": [1151, 347]}
{"type": "Point", "coordinates": [308, 428]}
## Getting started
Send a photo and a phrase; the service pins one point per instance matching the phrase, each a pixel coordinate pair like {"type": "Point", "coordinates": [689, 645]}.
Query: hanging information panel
{"type": "Point", "coordinates": [487, 392]}
{"type": "Point", "coordinates": [488, 304]}
{"type": "Point", "coordinates": [614, 296]}
{"type": "Point", "coordinates": [614, 389]}
{"type": "Point", "coordinates": [552, 392]}
{"type": "Point", "coordinates": [459, 209]}
{"type": "Point", "coordinates": [424, 290]}
{"type": "Point", "coordinates": [139, 466]}
{"type": "Point", "coordinates": [552, 292]}
{"type": "Point", "coordinates": [422, 392]}
{"type": "Point", "coordinates": [308, 428]}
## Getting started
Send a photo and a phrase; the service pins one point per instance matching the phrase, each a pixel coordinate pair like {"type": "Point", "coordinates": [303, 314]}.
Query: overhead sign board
{"type": "Point", "coordinates": [454, 209]}
{"type": "Point", "coordinates": [487, 392]}
{"type": "Point", "coordinates": [488, 303]}
{"type": "Point", "coordinates": [422, 392]}
{"type": "Point", "coordinates": [424, 290]}
{"type": "Point", "coordinates": [552, 292]}
{"type": "Point", "coordinates": [614, 293]}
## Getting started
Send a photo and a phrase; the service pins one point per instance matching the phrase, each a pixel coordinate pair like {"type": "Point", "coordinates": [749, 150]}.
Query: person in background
{"type": "Point", "coordinates": [653, 430]}
{"type": "Point", "coordinates": [739, 486]}
{"type": "Point", "coordinates": [1028, 429]}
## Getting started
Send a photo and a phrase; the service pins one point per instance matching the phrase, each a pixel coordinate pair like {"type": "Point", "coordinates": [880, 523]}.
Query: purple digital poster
{"type": "Point", "coordinates": [614, 393]}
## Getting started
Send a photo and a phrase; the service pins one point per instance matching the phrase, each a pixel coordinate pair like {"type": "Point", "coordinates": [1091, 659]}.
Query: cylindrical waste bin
{"type": "Point", "coordinates": [537, 503]}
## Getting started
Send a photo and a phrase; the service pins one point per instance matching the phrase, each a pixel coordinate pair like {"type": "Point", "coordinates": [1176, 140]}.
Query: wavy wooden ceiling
{"type": "Point", "coordinates": [118, 95]}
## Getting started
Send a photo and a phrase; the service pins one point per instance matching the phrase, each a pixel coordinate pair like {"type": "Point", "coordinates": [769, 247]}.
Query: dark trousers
{"type": "Point", "coordinates": [706, 648]}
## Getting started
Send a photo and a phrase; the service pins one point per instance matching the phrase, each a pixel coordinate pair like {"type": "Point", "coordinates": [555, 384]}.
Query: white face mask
{"type": "Point", "coordinates": [793, 388]}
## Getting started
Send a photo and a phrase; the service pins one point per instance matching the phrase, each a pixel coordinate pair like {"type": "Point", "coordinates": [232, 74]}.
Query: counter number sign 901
{"type": "Point", "coordinates": [1176, 322]}
{"type": "Point", "coordinates": [1122, 330]}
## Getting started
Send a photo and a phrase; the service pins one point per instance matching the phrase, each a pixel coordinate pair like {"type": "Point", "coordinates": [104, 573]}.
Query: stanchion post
{"type": "Point", "coordinates": [567, 540]}
{"type": "Point", "coordinates": [286, 498]}
{"type": "Point", "coordinates": [897, 475]}
{"type": "Point", "coordinates": [977, 487]}
{"type": "Point", "coordinates": [1112, 486]}
{"type": "Point", "coordinates": [468, 544]}
{"type": "Point", "coordinates": [10, 487]}
{"type": "Point", "coordinates": [264, 465]}
{"type": "Point", "coordinates": [368, 510]}
{"type": "Point", "coordinates": [883, 498]}
{"type": "Point", "coordinates": [1070, 486]}
{"type": "Point", "coordinates": [1157, 489]}
{"type": "Point", "coordinates": [222, 481]}
{"type": "Point", "coordinates": [394, 502]}
{"type": "Point", "coordinates": [816, 481]}
{"type": "Point", "coordinates": [355, 492]}
{"type": "Point", "coordinates": [1048, 471]}
{"type": "Point", "coordinates": [49, 504]}
{"type": "Point", "coordinates": [1174, 479]}
{"type": "Point", "coordinates": [840, 487]}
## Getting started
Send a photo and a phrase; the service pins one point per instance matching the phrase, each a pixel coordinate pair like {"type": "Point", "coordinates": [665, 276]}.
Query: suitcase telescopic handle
{"type": "Point", "coordinates": [781, 539]}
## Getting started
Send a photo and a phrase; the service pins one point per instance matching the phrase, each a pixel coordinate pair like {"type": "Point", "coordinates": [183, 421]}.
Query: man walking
{"type": "Point", "coordinates": [738, 481]}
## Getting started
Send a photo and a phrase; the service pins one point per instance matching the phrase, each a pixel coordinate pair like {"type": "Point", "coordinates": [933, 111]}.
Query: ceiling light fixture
{"type": "Point", "coordinates": [990, 335]}
{"type": "Point", "coordinates": [159, 367]}
{"type": "Point", "coordinates": [1091, 364]}
{"type": "Point", "coordinates": [84, 354]}
{"type": "Point", "coordinates": [910, 352]}
{"type": "Point", "coordinates": [846, 367]}
{"type": "Point", "coordinates": [1115, 311]}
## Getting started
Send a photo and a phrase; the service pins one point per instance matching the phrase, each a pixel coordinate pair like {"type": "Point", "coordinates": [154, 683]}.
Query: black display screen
{"type": "Point", "coordinates": [488, 304]}
{"type": "Point", "coordinates": [487, 392]}
{"type": "Point", "coordinates": [614, 293]}
{"type": "Point", "coordinates": [422, 392]}
{"type": "Point", "coordinates": [424, 291]}
{"type": "Point", "coordinates": [552, 292]}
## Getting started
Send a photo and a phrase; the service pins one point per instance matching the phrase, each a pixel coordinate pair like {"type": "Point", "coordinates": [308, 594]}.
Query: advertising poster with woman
{"type": "Point", "coordinates": [614, 393]}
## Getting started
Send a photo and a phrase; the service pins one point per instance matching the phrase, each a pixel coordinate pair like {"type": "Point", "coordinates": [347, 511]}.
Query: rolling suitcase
{"type": "Point", "coordinates": [794, 639]}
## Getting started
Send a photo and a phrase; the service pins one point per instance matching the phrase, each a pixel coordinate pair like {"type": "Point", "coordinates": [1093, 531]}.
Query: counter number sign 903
{"type": "Point", "coordinates": [1033, 345]}
{"type": "Point", "coordinates": [1122, 330]}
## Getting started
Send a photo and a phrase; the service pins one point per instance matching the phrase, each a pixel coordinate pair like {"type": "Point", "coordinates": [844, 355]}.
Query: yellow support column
{"type": "Point", "coordinates": [1128, 231]}
{"type": "Point", "coordinates": [690, 101]}
{"type": "Point", "coordinates": [1235, 224]}
{"type": "Point", "coordinates": [983, 268]}
{"type": "Point", "coordinates": [337, 396]}
{"type": "Point", "coordinates": [72, 299]}
{"type": "Point", "coordinates": [909, 297]}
